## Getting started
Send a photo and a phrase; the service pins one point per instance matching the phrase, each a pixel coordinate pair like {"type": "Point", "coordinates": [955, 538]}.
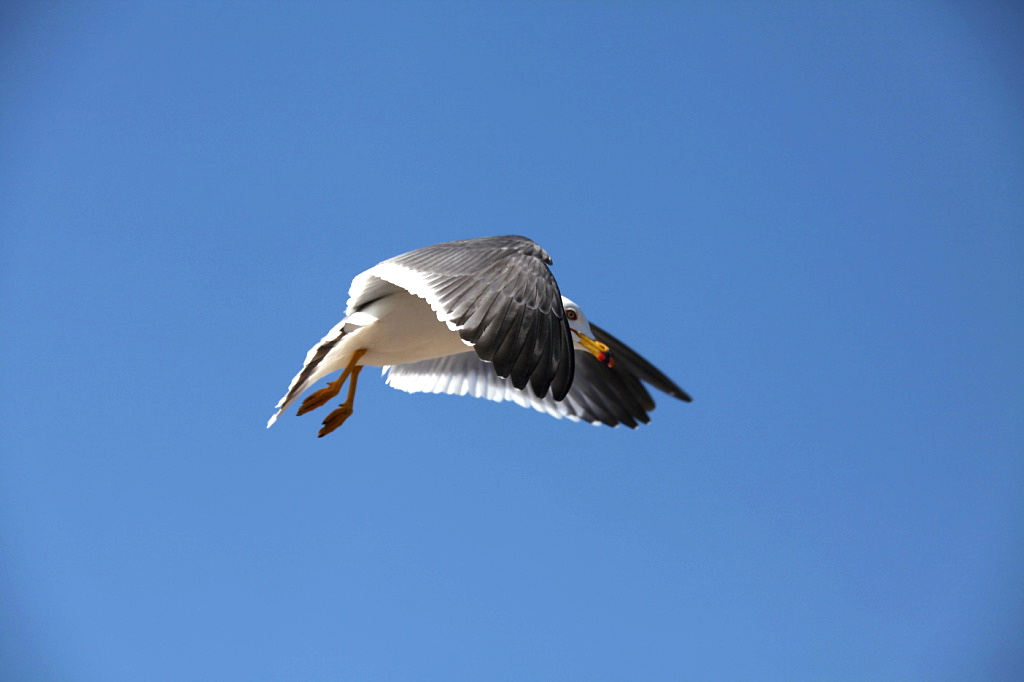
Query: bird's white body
{"type": "Point", "coordinates": [403, 329]}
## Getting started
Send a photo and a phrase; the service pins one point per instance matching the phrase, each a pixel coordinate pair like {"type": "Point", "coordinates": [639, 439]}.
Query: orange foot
{"type": "Point", "coordinates": [338, 417]}
{"type": "Point", "coordinates": [335, 419]}
{"type": "Point", "coordinates": [319, 398]}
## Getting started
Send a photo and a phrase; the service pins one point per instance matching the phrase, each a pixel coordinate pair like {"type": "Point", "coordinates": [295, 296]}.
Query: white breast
{"type": "Point", "coordinates": [406, 330]}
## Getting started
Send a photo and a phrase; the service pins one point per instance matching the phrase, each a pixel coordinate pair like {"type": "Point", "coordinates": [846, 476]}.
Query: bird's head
{"type": "Point", "coordinates": [583, 335]}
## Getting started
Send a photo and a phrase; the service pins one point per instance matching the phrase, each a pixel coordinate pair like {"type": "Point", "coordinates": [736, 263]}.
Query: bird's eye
{"type": "Point", "coordinates": [571, 314]}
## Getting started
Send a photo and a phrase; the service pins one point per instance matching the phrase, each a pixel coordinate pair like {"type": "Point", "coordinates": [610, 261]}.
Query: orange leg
{"type": "Point", "coordinates": [338, 417]}
{"type": "Point", "coordinates": [319, 398]}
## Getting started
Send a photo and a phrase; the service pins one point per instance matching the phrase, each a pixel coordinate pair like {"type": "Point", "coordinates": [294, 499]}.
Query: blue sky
{"type": "Point", "coordinates": [810, 215]}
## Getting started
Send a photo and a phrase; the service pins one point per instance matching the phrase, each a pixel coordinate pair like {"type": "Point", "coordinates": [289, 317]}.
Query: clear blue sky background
{"type": "Point", "coordinates": [810, 215]}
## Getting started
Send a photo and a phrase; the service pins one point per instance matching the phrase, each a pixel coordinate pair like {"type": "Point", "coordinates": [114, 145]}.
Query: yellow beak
{"type": "Point", "coordinates": [597, 349]}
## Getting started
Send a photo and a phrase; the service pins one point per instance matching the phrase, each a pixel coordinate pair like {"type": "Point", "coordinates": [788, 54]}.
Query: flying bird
{"type": "Point", "coordinates": [481, 317]}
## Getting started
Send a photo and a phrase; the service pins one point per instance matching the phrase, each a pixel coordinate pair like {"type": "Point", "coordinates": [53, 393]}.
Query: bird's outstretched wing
{"type": "Point", "coordinates": [498, 294]}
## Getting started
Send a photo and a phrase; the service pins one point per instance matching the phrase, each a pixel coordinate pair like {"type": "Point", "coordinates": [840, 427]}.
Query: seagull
{"type": "Point", "coordinates": [481, 317]}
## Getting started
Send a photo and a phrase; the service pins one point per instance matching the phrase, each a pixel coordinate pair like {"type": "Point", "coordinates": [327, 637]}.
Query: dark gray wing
{"type": "Point", "coordinates": [500, 296]}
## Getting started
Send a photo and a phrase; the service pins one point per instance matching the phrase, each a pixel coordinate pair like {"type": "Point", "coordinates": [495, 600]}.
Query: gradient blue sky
{"type": "Point", "coordinates": [810, 215]}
